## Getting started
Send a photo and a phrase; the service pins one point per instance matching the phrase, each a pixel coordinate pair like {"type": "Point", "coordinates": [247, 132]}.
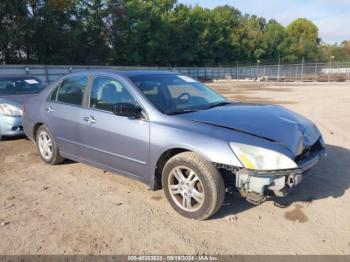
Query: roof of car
{"type": "Point", "coordinates": [16, 77]}
{"type": "Point", "coordinates": [144, 72]}
{"type": "Point", "coordinates": [126, 73]}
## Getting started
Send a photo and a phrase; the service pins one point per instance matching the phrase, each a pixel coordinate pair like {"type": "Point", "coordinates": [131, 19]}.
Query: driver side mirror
{"type": "Point", "coordinates": [128, 110]}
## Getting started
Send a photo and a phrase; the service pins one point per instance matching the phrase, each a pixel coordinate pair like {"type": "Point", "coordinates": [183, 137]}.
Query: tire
{"type": "Point", "coordinates": [203, 184]}
{"type": "Point", "coordinates": [53, 156]}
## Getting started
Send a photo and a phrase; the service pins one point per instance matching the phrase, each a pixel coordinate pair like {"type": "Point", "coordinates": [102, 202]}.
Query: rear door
{"type": "Point", "coordinates": [114, 142]}
{"type": "Point", "coordinates": [63, 113]}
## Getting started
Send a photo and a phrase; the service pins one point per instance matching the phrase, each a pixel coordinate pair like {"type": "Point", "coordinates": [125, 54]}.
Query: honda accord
{"type": "Point", "coordinates": [173, 132]}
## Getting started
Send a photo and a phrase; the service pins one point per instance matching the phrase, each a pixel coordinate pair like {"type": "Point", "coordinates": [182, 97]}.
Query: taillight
{"type": "Point", "coordinates": [23, 107]}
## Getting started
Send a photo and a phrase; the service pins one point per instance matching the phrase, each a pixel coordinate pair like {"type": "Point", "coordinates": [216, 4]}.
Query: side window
{"type": "Point", "coordinates": [106, 92]}
{"type": "Point", "coordinates": [53, 95]}
{"type": "Point", "coordinates": [71, 90]}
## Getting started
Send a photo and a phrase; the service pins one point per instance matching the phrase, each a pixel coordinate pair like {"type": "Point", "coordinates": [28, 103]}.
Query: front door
{"type": "Point", "coordinates": [110, 141]}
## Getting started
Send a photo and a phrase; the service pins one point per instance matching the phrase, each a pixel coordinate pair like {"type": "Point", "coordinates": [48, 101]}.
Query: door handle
{"type": "Point", "coordinates": [90, 120]}
{"type": "Point", "coordinates": [48, 109]}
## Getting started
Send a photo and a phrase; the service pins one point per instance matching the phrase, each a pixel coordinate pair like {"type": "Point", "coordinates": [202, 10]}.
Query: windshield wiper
{"type": "Point", "coordinates": [218, 104]}
{"type": "Point", "coordinates": [182, 111]}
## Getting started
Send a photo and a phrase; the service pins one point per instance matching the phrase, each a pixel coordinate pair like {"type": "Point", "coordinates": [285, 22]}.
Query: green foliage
{"type": "Point", "coordinates": [150, 32]}
{"type": "Point", "coordinates": [340, 52]}
{"type": "Point", "coordinates": [303, 37]}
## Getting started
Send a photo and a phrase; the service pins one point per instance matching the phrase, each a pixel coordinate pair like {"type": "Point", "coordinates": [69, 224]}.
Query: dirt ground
{"type": "Point", "coordinates": [76, 209]}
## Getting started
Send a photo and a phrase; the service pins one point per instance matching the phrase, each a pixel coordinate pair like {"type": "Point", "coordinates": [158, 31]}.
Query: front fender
{"type": "Point", "coordinates": [212, 148]}
{"type": "Point", "coordinates": [210, 142]}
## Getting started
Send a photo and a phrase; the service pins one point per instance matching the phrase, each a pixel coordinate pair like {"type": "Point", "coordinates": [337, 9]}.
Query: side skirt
{"type": "Point", "coordinates": [103, 167]}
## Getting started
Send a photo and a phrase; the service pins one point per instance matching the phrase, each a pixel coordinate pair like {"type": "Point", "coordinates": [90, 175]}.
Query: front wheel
{"type": "Point", "coordinates": [193, 186]}
{"type": "Point", "coordinates": [47, 146]}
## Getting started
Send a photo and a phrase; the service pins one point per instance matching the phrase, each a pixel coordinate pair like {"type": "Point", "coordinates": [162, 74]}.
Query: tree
{"type": "Point", "coordinates": [13, 25]}
{"type": "Point", "coordinates": [251, 38]}
{"type": "Point", "coordinates": [152, 32]}
{"type": "Point", "coordinates": [55, 30]}
{"type": "Point", "coordinates": [275, 41]}
{"type": "Point", "coordinates": [304, 40]}
{"type": "Point", "coordinates": [341, 52]}
{"type": "Point", "coordinates": [93, 35]}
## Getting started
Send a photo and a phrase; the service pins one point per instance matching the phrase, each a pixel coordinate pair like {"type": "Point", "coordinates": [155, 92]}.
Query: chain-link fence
{"type": "Point", "coordinates": [322, 72]}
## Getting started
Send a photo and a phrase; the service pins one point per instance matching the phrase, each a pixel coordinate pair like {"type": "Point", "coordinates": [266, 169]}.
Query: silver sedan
{"type": "Point", "coordinates": [13, 91]}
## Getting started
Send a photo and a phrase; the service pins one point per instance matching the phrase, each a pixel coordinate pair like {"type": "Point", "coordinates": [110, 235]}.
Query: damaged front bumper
{"type": "Point", "coordinates": [256, 186]}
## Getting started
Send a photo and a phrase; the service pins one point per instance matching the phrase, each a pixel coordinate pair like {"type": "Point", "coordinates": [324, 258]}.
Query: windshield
{"type": "Point", "coordinates": [20, 85]}
{"type": "Point", "coordinates": [173, 94]}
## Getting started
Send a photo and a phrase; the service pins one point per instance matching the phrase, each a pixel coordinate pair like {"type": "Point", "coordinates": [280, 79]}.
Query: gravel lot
{"type": "Point", "coordinates": [76, 209]}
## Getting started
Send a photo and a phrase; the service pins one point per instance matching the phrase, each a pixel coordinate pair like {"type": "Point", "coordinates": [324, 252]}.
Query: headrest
{"type": "Point", "coordinates": [147, 86]}
{"type": "Point", "coordinates": [108, 87]}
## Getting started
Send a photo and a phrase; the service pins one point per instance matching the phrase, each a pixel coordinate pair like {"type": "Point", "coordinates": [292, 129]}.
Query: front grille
{"type": "Point", "coordinates": [310, 152]}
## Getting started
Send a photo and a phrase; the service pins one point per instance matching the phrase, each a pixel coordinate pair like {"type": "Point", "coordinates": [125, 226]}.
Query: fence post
{"type": "Point", "coordinates": [47, 74]}
{"type": "Point", "coordinates": [26, 68]}
{"type": "Point", "coordinates": [278, 69]}
{"type": "Point", "coordinates": [316, 72]}
{"type": "Point", "coordinates": [302, 70]}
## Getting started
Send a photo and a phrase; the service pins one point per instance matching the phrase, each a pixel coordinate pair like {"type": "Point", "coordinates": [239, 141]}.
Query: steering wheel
{"type": "Point", "coordinates": [182, 95]}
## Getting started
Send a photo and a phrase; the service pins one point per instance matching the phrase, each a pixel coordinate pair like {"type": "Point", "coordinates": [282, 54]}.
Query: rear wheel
{"type": "Point", "coordinates": [47, 146]}
{"type": "Point", "coordinates": [193, 186]}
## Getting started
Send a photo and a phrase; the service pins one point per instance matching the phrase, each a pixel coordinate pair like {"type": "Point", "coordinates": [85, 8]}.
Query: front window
{"type": "Point", "coordinates": [173, 94]}
{"type": "Point", "coordinates": [106, 92]}
{"type": "Point", "coordinates": [20, 85]}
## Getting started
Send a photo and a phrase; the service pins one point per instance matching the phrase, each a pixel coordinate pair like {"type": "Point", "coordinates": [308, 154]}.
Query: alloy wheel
{"type": "Point", "coordinates": [186, 188]}
{"type": "Point", "coordinates": [45, 145]}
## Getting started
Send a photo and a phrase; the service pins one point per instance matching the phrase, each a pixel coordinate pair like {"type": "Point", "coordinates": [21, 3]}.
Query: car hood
{"type": "Point", "coordinates": [270, 122]}
{"type": "Point", "coordinates": [17, 100]}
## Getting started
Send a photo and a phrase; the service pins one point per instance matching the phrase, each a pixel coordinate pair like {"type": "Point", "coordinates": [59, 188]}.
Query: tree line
{"type": "Point", "coordinates": [151, 33]}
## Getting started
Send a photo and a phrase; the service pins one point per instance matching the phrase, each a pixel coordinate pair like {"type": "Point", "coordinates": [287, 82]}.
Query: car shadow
{"type": "Point", "coordinates": [13, 138]}
{"type": "Point", "coordinates": [68, 162]}
{"type": "Point", "coordinates": [23, 137]}
{"type": "Point", "coordinates": [329, 178]}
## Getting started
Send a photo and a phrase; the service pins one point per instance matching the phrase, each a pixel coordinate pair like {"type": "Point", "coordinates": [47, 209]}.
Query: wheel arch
{"type": "Point", "coordinates": [35, 129]}
{"type": "Point", "coordinates": [163, 158]}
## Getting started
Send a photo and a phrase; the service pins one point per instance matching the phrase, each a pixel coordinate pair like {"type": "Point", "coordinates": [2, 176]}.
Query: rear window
{"type": "Point", "coordinates": [71, 90]}
{"type": "Point", "coordinates": [20, 85]}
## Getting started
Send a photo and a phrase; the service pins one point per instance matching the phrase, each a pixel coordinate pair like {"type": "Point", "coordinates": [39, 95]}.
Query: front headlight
{"type": "Point", "coordinates": [258, 158]}
{"type": "Point", "coordinates": [10, 110]}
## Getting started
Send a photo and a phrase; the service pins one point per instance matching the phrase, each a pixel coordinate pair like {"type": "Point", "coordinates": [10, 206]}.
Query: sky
{"type": "Point", "coordinates": [332, 17]}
